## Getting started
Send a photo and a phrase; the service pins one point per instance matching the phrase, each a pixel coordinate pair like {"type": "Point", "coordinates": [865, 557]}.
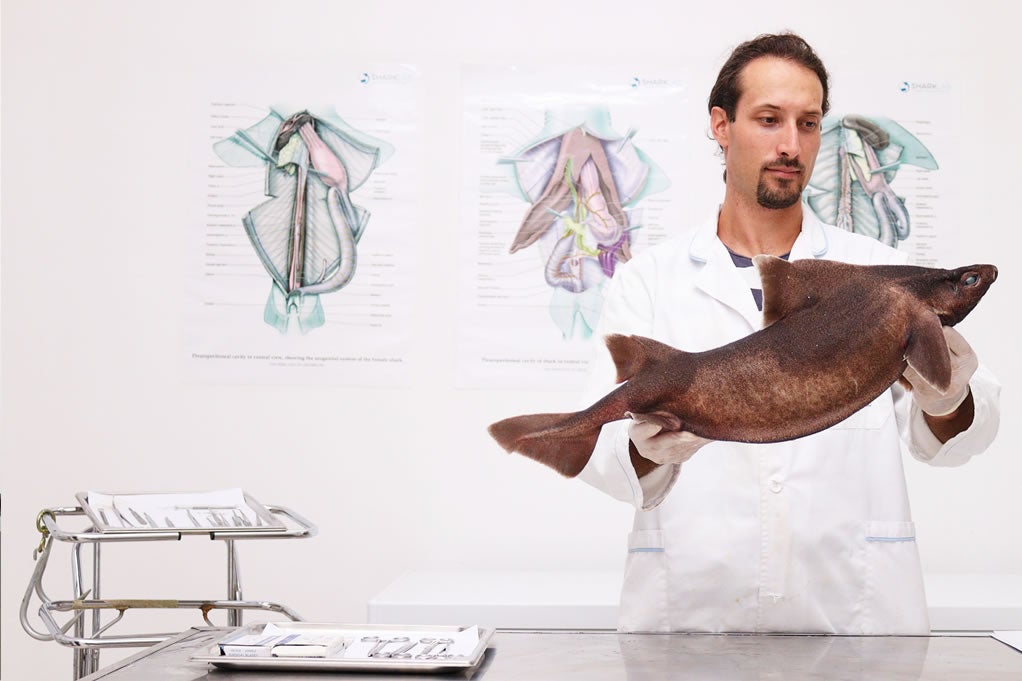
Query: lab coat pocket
{"type": "Point", "coordinates": [894, 602]}
{"type": "Point", "coordinates": [644, 591]}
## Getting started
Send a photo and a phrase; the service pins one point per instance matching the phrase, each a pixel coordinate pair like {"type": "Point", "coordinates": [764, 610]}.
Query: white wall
{"type": "Point", "coordinates": [96, 193]}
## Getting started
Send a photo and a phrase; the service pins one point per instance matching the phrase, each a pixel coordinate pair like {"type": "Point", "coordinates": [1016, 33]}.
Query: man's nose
{"type": "Point", "coordinates": [788, 144]}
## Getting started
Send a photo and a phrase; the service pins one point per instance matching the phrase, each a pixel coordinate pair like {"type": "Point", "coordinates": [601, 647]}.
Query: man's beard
{"type": "Point", "coordinates": [784, 197]}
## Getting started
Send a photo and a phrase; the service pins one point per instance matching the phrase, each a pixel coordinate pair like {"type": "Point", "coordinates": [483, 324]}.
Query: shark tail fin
{"type": "Point", "coordinates": [546, 439]}
{"type": "Point", "coordinates": [632, 353]}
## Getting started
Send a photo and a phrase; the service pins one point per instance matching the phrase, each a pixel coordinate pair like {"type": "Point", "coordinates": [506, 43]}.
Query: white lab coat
{"type": "Point", "coordinates": [813, 535]}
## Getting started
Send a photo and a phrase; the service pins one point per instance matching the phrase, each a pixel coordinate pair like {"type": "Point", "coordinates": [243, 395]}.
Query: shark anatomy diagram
{"type": "Point", "coordinates": [851, 186]}
{"type": "Point", "coordinates": [306, 232]}
{"type": "Point", "coordinates": [582, 184]}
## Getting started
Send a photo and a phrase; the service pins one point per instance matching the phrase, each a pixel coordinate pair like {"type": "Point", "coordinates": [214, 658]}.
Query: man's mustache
{"type": "Point", "coordinates": [785, 163]}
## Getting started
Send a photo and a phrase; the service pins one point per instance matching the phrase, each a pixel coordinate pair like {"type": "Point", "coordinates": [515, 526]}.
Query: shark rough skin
{"type": "Point", "coordinates": [835, 337]}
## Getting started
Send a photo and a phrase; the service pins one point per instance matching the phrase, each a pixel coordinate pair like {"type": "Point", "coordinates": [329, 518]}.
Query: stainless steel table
{"type": "Point", "coordinates": [608, 656]}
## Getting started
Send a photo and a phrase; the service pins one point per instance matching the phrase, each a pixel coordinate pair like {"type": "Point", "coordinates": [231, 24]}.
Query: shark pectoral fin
{"type": "Point", "coordinates": [927, 351]}
{"type": "Point", "coordinates": [542, 438]}
{"type": "Point", "coordinates": [665, 419]}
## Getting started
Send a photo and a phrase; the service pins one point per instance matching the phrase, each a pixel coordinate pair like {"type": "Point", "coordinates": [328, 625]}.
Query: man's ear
{"type": "Point", "coordinates": [720, 126]}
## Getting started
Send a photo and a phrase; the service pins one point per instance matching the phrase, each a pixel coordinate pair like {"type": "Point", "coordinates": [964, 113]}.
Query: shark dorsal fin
{"type": "Point", "coordinates": [783, 292]}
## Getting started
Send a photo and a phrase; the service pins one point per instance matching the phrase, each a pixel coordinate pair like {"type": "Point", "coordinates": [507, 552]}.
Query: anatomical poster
{"type": "Point", "coordinates": [888, 161]}
{"type": "Point", "coordinates": [303, 258]}
{"type": "Point", "coordinates": [567, 175]}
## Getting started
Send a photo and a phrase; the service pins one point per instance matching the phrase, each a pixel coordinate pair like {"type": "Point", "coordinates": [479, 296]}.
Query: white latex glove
{"type": "Point", "coordinates": [670, 447]}
{"type": "Point", "coordinates": [963, 366]}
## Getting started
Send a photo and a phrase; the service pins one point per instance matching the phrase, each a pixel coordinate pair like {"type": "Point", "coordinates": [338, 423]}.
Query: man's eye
{"type": "Point", "coordinates": [811, 125]}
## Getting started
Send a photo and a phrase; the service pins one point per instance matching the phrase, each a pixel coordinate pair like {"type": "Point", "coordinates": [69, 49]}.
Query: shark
{"type": "Point", "coordinates": [835, 336]}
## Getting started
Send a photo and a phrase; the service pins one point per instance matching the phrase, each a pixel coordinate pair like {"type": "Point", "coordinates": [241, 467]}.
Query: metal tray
{"type": "Point", "coordinates": [198, 519]}
{"type": "Point", "coordinates": [212, 654]}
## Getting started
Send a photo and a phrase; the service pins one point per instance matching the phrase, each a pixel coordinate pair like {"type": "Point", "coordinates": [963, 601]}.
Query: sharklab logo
{"type": "Point", "coordinates": [923, 86]}
{"type": "Point", "coordinates": [368, 77]}
{"type": "Point", "coordinates": [637, 82]}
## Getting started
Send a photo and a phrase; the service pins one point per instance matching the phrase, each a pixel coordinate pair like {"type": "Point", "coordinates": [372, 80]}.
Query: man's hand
{"type": "Point", "coordinates": [963, 366]}
{"type": "Point", "coordinates": [662, 448]}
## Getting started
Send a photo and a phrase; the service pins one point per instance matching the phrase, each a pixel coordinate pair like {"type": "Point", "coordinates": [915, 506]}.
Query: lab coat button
{"type": "Point", "coordinates": [776, 486]}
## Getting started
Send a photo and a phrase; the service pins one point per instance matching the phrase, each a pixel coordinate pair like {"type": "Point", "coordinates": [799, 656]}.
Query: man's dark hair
{"type": "Point", "coordinates": [725, 92]}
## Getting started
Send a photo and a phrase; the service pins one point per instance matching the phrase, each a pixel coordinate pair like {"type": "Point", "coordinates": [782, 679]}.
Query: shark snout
{"type": "Point", "coordinates": [987, 275]}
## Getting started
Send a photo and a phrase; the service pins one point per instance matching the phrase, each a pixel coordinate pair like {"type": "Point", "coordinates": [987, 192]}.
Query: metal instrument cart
{"type": "Point", "coordinates": [83, 630]}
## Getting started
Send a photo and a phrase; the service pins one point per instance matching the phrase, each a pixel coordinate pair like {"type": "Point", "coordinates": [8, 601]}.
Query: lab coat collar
{"type": "Point", "coordinates": [812, 241]}
{"type": "Point", "coordinates": [720, 278]}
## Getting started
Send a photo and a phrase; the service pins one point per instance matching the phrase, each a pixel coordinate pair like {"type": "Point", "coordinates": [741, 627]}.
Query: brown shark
{"type": "Point", "coordinates": [835, 337]}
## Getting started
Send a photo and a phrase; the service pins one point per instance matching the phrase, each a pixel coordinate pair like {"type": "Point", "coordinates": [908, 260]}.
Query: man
{"type": "Point", "coordinates": [813, 535]}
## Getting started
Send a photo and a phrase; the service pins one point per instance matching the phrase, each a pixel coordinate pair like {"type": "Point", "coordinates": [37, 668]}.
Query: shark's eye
{"type": "Point", "coordinates": [970, 279]}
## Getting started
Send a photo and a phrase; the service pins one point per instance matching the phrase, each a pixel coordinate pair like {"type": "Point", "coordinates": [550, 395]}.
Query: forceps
{"type": "Point", "coordinates": [400, 653]}
{"type": "Point", "coordinates": [431, 645]}
{"type": "Point", "coordinates": [381, 642]}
